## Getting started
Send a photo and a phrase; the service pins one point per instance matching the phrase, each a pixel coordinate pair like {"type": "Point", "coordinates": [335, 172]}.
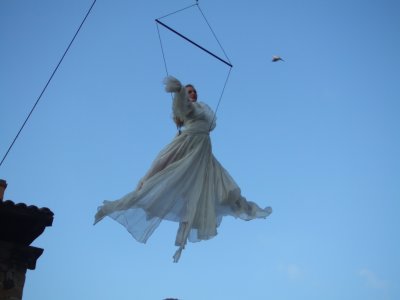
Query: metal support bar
{"type": "Point", "coordinates": [190, 41]}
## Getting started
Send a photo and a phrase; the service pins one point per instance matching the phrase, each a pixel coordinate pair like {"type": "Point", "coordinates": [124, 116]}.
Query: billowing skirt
{"type": "Point", "coordinates": [185, 184]}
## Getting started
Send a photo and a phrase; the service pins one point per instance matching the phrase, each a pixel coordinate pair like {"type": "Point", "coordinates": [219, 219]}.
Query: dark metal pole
{"type": "Point", "coordinates": [190, 41]}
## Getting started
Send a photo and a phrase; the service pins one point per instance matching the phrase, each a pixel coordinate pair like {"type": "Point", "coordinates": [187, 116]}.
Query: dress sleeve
{"type": "Point", "coordinates": [181, 106]}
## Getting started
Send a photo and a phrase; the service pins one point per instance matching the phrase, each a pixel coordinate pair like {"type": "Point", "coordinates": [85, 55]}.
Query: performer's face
{"type": "Point", "coordinates": [192, 94]}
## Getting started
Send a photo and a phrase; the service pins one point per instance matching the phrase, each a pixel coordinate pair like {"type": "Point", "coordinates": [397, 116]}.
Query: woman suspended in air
{"type": "Point", "coordinates": [185, 184]}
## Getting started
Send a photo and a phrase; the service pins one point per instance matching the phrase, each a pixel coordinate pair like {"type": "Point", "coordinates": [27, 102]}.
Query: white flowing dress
{"type": "Point", "coordinates": [185, 184]}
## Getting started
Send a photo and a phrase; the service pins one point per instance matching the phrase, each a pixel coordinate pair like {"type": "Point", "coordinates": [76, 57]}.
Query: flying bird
{"type": "Point", "coordinates": [276, 58]}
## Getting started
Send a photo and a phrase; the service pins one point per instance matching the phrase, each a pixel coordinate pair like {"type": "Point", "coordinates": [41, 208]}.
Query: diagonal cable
{"type": "Point", "coordinates": [48, 82]}
{"type": "Point", "coordinates": [212, 31]}
{"type": "Point", "coordinates": [179, 10]}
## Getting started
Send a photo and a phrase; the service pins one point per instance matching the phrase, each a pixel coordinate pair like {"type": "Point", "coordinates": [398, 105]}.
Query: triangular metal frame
{"type": "Point", "coordinates": [159, 22]}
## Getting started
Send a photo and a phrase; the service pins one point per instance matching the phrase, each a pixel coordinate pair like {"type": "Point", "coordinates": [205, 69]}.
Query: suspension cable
{"type": "Point", "coordinates": [220, 97]}
{"type": "Point", "coordinates": [215, 36]}
{"type": "Point", "coordinates": [48, 82]}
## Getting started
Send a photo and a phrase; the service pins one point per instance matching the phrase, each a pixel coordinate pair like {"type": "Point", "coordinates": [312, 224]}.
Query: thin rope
{"type": "Point", "coordinates": [48, 82]}
{"type": "Point", "coordinates": [177, 11]}
{"type": "Point", "coordinates": [165, 61]}
{"type": "Point", "coordinates": [162, 49]}
{"type": "Point", "coordinates": [220, 98]}
{"type": "Point", "coordinates": [215, 36]}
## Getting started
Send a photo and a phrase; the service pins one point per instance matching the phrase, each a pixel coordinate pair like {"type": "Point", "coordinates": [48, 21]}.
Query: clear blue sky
{"type": "Point", "coordinates": [316, 137]}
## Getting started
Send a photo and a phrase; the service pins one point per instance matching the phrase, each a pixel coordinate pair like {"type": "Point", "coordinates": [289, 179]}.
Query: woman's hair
{"type": "Point", "coordinates": [192, 86]}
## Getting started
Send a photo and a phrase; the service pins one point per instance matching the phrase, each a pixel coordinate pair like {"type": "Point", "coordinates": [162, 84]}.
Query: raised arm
{"type": "Point", "coordinates": [181, 106]}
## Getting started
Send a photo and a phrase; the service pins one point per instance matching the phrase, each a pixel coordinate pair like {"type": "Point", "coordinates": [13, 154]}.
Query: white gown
{"type": "Point", "coordinates": [185, 184]}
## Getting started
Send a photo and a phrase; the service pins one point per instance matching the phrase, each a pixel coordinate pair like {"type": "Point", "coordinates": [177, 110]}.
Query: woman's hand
{"type": "Point", "coordinates": [178, 122]}
{"type": "Point", "coordinates": [172, 85]}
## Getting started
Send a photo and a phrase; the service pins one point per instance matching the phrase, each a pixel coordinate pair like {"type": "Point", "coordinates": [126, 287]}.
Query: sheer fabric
{"type": "Point", "coordinates": [185, 184]}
